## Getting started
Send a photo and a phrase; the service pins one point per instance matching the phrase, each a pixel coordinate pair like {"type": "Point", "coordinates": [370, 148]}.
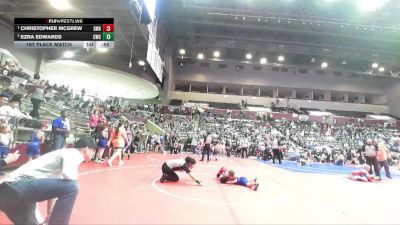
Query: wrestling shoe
{"type": "Point", "coordinates": [256, 187]}
{"type": "Point", "coordinates": [163, 178]}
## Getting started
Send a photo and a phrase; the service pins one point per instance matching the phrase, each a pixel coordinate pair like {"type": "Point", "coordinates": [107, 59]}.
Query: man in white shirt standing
{"type": "Point", "coordinates": [52, 175]}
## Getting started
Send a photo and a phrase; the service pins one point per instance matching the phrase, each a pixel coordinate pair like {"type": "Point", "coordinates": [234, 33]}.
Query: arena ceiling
{"type": "Point", "coordinates": [343, 33]}
{"type": "Point", "coordinates": [306, 32]}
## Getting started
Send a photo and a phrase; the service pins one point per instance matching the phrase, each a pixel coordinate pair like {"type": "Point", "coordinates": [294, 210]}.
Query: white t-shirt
{"type": "Point", "coordinates": [209, 139]}
{"type": "Point", "coordinates": [178, 165]}
{"type": "Point", "coordinates": [62, 163]}
{"type": "Point", "coordinates": [6, 112]}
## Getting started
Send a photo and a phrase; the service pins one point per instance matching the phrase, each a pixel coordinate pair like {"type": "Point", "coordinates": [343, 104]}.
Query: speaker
{"type": "Point", "coordinates": [144, 15]}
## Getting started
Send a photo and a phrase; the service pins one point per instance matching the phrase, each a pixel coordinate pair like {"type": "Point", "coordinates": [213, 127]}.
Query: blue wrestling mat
{"type": "Point", "coordinates": [320, 168]}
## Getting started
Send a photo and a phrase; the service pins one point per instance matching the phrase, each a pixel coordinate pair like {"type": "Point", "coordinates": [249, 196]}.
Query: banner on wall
{"type": "Point", "coordinates": [303, 117]}
{"type": "Point", "coordinates": [329, 120]}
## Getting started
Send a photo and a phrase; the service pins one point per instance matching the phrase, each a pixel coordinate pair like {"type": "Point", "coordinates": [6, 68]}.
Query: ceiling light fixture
{"type": "Point", "coordinates": [374, 65]}
{"type": "Point", "coordinates": [200, 56]}
{"type": "Point", "coordinates": [249, 56]}
{"type": "Point", "coordinates": [281, 58]}
{"type": "Point", "coordinates": [381, 69]}
{"type": "Point", "coordinates": [60, 4]}
{"type": "Point", "coordinates": [370, 5]}
{"type": "Point", "coordinates": [182, 51]}
{"type": "Point", "coordinates": [141, 63]}
{"type": "Point", "coordinates": [217, 54]}
{"type": "Point", "coordinates": [263, 60]}
{"type": "Point", "coordinates": [68, 54]}
{"type": "Point", "coordinates": [324, 65]}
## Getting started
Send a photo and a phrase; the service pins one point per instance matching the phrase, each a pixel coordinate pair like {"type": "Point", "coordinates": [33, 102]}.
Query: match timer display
{"type": "Point", "coordinates": [64, 32]}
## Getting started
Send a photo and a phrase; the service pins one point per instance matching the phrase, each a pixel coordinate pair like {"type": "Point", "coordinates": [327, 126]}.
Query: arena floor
{"type": "Point", "coordinates": [132, 194]}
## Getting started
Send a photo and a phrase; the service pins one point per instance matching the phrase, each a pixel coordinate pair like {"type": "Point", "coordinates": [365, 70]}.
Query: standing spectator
{"type": "Point", "coordinates": [93, 121]}
{"type": "Point", "coordinates": [83, 92]}
{"type": "Point", "coordinates": [102, 117]}
{"type": "Point", "coordinates": [193, 144]}
{"type": "Point", "coordinates": [36, 139]}
{"type": "Point", "coordinates": [53, 175]}
{"type": "Point", "coordinates": [37, 98]}
{"type": "Point", "coordinates": [102, 144]}
{"type": "Point", "coordinates": [136, 142]}
{"type": "Point", "coordinates": [382, 156]}
{"type": "Point", "coordinates": [174, 143]}
{"type": "Point", "coordinates": [60, 130]}
{"type": "Point", "coordinates": [118, 140]}
{"type": "Point", "coordinates": [143, 139]}
{"type": "Point", "coordinates": [276, 150]}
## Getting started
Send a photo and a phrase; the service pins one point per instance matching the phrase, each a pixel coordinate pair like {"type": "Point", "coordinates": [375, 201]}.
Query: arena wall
{"type": "Point", "coordinates": [292, 78]}
{"type": "Point", "coordinates": [394, 99]}
{"type": "Point", "coordinates": [204, 97]}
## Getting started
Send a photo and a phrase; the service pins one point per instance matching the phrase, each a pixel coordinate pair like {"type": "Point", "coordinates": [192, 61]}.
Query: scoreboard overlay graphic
{"type": "Point", "coordinates": [64, 32]}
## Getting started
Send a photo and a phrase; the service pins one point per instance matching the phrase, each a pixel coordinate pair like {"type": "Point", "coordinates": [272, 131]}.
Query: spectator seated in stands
{"type": "Point", "coordinates": [339, 161]}
{"type": "Point", "coordinates": [8, 112]}
{"type": "Point", "coordinates": [4, 97]}
{"type": "Point", "coordinates": [11, 91]}
{"type": "Point", "coordinates": [6, 139]}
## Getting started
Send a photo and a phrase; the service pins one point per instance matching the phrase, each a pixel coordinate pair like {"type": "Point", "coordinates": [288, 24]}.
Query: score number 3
{"type": "Point", "coordinates": [108, 27]}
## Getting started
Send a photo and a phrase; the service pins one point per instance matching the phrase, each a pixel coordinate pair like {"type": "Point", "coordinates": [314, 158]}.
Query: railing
{"type": "Point", "coordinates": [21, 124]}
